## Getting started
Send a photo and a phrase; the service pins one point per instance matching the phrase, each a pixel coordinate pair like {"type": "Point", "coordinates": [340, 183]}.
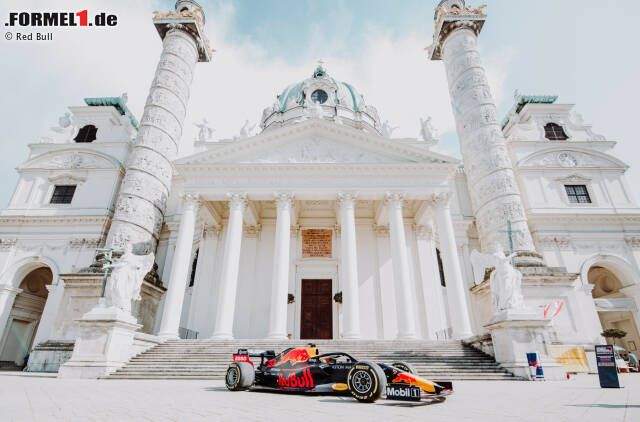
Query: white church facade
{"type": "Point", "coordinates": [320, 225]}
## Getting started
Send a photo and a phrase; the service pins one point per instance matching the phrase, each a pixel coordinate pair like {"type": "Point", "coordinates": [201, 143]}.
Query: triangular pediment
{"type": "Point", "coordinates": [315, 145]}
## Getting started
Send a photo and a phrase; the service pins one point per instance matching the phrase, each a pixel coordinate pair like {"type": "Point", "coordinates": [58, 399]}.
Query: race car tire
{"type": "Point", "coordinates": [405, 366]}
{"type": "Point", "coordinates": [239, 376]}
{"type": "Point", "coordinates": [366, 382]}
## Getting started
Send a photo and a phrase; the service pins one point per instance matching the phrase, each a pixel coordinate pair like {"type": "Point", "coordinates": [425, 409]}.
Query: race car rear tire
{"type": "Point", "coordinates": [239, 376]}
{"type": "Point", "coordinates": [366, 382]}
{"type": "Point", "coordinates": [405, 366]}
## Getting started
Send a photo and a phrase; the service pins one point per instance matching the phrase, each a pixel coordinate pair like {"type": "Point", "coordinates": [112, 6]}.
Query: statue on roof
{"type": "Point", "coordinates": [246, 130]}
{"type": "Point", "coordinates": [387, 129]}
{"type": "Point", "coordinates": [428, 133]}
{"type": "Point", "coordinates": [63, 132]}
{"type": "Point", "coordinates": [205, 132]}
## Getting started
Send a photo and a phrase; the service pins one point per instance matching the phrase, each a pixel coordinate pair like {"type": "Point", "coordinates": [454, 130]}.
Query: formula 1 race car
{"type": "Point", "coordinates": [306, 370]}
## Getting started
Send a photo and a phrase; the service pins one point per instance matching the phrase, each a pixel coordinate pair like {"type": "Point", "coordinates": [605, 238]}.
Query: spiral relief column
{"type": "Point", "coordinates": [139, 210]}
{"type": "Point", "coordinates": [494, 192]}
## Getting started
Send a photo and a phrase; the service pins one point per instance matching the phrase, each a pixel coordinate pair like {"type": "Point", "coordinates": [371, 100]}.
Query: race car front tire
{"type": "Point", "coordinates": [366, 382]}
{"type": "Point", "coordinates": [239, 376]}
{"type": "Point", "coordinates": [405, 366]}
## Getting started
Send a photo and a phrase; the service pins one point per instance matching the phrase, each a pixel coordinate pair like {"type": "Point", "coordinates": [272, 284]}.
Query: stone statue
{"type": "Point", "coordinates": [65, 121]}
{"type": "Point", "coordinates": [205, 132]}
{"type": "Point", "coordinates": [246, 130]}
{"type": "Point", "coordinates": [505, 281]}
{"type": "Point", "coordinates": [387, 129]}
{"type": "Point", "coordinates": [63, 132]}
{"type": "Point", "coordinates": [315, 111]}
{"type": "Point", "coordinates": [126, 278]}
{"type": "Point", "coordinates": [428, 133]}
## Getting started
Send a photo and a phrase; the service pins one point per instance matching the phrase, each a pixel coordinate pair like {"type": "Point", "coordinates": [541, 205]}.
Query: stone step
{"type": "Point", "coordinates": [209, 359]}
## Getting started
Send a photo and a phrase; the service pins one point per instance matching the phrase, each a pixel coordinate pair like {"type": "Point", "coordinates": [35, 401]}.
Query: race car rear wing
{"type": "Point", "coordinates": [244, 355]}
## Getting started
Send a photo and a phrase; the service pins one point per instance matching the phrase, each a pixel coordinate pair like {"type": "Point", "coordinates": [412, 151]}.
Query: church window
{"type": "Point", "coordinates": [578, 194]}
{"type": "Point", "coordinates": [192, 280]}
{"type": "Point", "coordinates": [554, 132]}
{"type": "Point", "coordinates": [319, 96]}
{"type": "Point", "coordinates": [63, 194]}
{"type": "Point", "coordinates": [443, 283]}
{"type": "Point", "coordinates": [86, 134]}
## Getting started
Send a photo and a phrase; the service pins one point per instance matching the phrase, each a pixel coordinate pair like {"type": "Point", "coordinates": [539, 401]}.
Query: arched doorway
{"type": "Point", "coordinates": [615, 308]}
{"type": "Point", "coordinates": [25, 316]}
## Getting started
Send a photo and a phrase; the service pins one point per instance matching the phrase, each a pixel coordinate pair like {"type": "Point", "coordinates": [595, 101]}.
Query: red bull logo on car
{"type": "Point", "coordinates": [296, 380]}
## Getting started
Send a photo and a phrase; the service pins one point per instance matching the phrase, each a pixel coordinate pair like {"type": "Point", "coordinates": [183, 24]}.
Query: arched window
{"type": "Point", "coordinates": [86, 134]}
{"type": "Point", "coordinates": [193, 269]}
{"type": "Point", "coordinates": [554, 132]}
{"type": "Point", "coordinates": [443, 282]}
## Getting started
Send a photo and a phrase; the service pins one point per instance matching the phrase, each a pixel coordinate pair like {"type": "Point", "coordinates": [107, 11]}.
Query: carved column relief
{"type": "Point", "coordinates": [139, 210]}
{"type": "Point", "coordinates": [494, 192]}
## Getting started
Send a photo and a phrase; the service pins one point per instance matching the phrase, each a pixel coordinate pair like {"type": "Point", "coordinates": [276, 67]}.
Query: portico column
{"type": "Point", "coordinates": [400, 258]}
{"type": "Point", "coordinates": [280, 280]}
{"type": "Point", "coordinates": [8, 294]}
{"type": "Point", "coordinates": [349, 257]}
{"type": "Point", "coordinates": [179, 268]}
{"type": "Point", "coordinates": [458, 309]}
{"type": "Point", "coordinates": [230, 266]}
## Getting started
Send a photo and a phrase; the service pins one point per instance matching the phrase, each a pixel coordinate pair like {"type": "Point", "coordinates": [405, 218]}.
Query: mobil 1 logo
{"type": "Point", "coordinates": [403, 392]}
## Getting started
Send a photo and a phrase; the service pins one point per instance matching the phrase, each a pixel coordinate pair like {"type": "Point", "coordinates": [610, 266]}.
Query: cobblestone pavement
{"type": "Point", "coordinates": [42, 397]}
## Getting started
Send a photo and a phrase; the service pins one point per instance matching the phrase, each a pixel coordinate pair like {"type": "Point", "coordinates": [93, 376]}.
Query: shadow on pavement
{"type": "Point", "coordinates": [607, 406]}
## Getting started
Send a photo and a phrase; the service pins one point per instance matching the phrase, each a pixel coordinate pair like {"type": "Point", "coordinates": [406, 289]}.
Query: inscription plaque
{"type": "Point", "coordinates": [316, 243]}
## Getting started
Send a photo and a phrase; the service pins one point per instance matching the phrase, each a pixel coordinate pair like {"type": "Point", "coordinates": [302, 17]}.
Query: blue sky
{"type": "Point", "coordinates": [584, 51]}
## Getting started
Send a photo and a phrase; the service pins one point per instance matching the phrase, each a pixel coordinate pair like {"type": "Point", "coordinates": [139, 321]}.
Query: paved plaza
{"type": "Point", "coordinates": [42, 397]}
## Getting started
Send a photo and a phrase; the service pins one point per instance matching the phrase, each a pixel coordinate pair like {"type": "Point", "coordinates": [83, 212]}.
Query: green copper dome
{"type": "Point", "coordinates": [343, 94]}
{"type": "Point", "coordinates": [338, 100]}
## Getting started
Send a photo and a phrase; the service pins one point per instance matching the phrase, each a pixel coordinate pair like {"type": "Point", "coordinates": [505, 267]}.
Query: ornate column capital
{"type": "Point", "coordinates": [237, 201]}
{"type": "Point", "coordinates": [394, 199]}
{"type": "Point", "coordinates": [347, 199]}
{"type": "Point", "coordinates": [633, 241]}
{"type": "Point", "coordinates": [423, 232]}
{"type": "Point", "coordinates": [441, 200]}
{"type": "Point", "coordinates": [211, 231]}
{"type": "Point", "coordinates": [188, 18]}
{"type": "Point", "coordinates": [284, 200]}
{"type": "Point", "coordinates": [190, 200]}
{"type": "Point", "coordinates": [381, 231]}
{"type": "Point", "coordinates": [7, 243]}
{"type": "Point", "coordinates": [252, 231]}
{"type": "Point", "coordinates": [448, 19]}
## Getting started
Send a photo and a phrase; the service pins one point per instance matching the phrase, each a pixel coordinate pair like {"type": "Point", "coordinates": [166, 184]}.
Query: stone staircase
{"type": "Point", "coordinates": [209, 359]}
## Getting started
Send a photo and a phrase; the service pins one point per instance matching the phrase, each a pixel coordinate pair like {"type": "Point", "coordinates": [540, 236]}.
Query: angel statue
{"type": "Point", "coordinates": [126, 278]}
{"type": "Point", "coordinates": [387, 129]}
{"type": "Point", "coordinates": [246, 130]}
{"type": "Point", "coordinates": [505, 280]}
{"type": "Point", "coordinates": [205, 132]}
{"type": "Point", "coordinates": [428, 133]}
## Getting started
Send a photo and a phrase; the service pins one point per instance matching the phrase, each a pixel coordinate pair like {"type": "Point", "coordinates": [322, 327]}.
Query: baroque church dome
{"type": "Point", "coordinates": [320, 96]}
